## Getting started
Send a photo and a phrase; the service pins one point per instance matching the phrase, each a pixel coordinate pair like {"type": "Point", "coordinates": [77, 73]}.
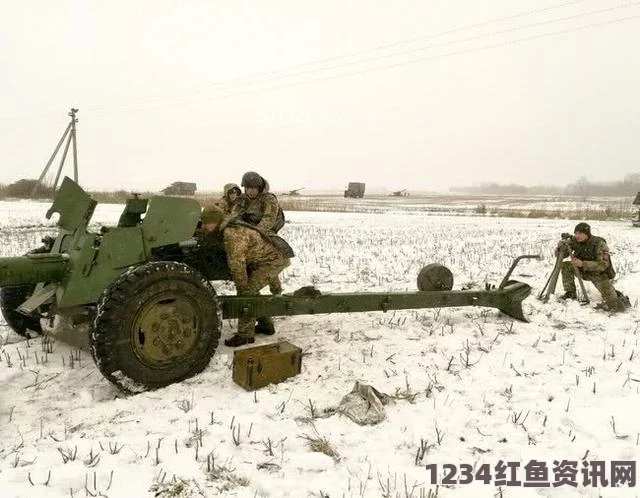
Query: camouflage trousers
{"type": "Point", "coordinates": [598, 279]}
{"type": "Point", "coordinates": [259, 277]}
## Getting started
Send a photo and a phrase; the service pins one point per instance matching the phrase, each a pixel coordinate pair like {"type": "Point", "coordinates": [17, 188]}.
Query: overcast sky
{"type": "Point", "coordinates": [413, 97]}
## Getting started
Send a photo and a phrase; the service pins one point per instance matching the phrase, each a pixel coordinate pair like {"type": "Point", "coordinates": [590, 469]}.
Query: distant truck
{"type": "Point", "coordinates": [355, 190]}
{"type": "Point", "coordinates": [180, 188]}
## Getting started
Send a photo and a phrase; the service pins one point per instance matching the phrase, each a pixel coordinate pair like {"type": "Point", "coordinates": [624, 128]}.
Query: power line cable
{"type": "Point", "coordinates": [181, 100]}
{"type": "Point", "coordinates": [272, 74]}
{"type": "Point", "coordinates": [423, 59]}
{"type": "Point", "coordinates": [387, 66]}
{"type": "Point", "coordinates": [454, 42]}
{"type": "Point", "coordinates": [395, 44]}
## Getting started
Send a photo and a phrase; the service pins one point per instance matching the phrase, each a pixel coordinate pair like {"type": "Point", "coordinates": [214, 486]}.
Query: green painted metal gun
{"type": "Point", "coordinates": [144, 285]}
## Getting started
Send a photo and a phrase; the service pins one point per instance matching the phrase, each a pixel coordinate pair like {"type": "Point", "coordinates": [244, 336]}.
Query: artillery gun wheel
{"type": "Point", "coordinates": [10, 299]}
{"type": "Point", "coordinates": [435, 277]}
{"type": "Point", "coordinates": [157, 324]}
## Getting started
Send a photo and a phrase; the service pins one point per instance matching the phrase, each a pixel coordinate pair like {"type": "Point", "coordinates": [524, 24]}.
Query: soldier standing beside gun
{"type": "Point", "coordinates": [260, 207]}
{"type": "Point", "coordinates": [590, 255]}
{"type": "Point", "coordinates": [257, 205]}
{"type": "Point", "coordinates": [254, 261]}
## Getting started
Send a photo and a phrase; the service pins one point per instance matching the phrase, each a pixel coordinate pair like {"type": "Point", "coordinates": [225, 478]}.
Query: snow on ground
{"type": "Point", "coordinates": [471, 385]}
{"type": "Point", "coordinates": [458, 204]}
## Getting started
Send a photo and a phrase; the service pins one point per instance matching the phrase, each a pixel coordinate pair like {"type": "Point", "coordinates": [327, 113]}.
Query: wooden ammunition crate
{"type": "Point", "coordinates": [260, 366]}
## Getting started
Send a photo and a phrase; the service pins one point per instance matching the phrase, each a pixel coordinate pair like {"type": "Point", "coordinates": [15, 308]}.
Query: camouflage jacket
{"type": "Point", "coordinates": [594, 254]}
{"type": "Point", "coordinates": [225, 203]}
{"type": "Point", "coordinates": [245, 246]}
{"type": "Point", "coordinates": [263, 211]}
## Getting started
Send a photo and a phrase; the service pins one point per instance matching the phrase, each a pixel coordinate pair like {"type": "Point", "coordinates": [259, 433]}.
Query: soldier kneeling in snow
{"type": "Point", "coordinates": [255, 257]}
{"type": "Point", "coordinates": [590, 255]}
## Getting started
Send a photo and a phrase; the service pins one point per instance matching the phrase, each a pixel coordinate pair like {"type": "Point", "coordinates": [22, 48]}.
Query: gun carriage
{"type": "Point", "coordinates": [144, 285]}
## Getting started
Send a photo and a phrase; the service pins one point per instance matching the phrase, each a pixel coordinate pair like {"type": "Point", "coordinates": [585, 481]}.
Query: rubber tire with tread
{"type": "Point", "coordinates": [111, 345]}
{"type": "Point", "coordinates": [10, 299]}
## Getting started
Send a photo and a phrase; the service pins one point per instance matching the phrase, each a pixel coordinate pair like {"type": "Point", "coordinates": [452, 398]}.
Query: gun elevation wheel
{"type": "Point", "coordinates": [10, 299]}
{"type": "Point", "coordinates": [157, 324]}
{"type": "Point", "coordinates": [435, 277]}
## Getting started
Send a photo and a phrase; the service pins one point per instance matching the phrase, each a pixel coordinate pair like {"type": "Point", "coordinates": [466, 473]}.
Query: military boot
{"type": "Point", "coordinates": [265, 326]}
{"type": "Point", "coordinates": [623, 301]}
{"type": "Point", "coordinates": [613, 307]}
{"type": "Point", "coordinates": [617, 306]}
{"type": "Point", "coordinates": [238, 340]}
{"type": "Point", "coordinates": [569, 295]}
{"type": "Point", "coordinates": [244, 335]}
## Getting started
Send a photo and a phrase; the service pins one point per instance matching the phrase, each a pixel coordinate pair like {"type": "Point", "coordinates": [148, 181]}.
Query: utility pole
{"type": "Point", "coordinates": [70, 135]}
{"type": "Point", "coordinates": [74, 120]}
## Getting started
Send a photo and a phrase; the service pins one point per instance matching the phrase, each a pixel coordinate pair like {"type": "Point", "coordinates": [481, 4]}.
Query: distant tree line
{"type": "Point", "coordinates": [26, 189]}
{"type": "Point", "coordinates": [629, 186]}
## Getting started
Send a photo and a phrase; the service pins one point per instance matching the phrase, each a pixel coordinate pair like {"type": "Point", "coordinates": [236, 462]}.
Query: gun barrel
{"type": "Point", "coordinates": [32, 269]}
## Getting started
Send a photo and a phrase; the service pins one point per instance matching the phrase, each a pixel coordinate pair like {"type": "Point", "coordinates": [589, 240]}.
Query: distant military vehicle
{"type": "Point", "coordinates": [400, 193]}
{"type": "Point", "coordinates": [144, 285]}
{"type": "Point", "coordinates": [294, 191]}
{"type": "Point", "coordinates": [355, 190]}
{"type": "Point", "coordinates": [636, 202]}
{"type": "Point", "coordinates": [180, 188]}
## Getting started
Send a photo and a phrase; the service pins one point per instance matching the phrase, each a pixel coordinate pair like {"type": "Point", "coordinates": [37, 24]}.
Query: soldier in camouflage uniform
{"type": "Point", "coordinates": [590, 255]}
{"type": "Point", "coordinates": [260, 207]}
{"type": "Point", "coordinates": [253, 259]}
{"type": "Point", "coordinates": [230, 195]}
{"type": "Point", "coordinates": [257, 205]}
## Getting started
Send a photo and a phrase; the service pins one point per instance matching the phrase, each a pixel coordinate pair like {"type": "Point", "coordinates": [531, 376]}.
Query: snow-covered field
{"type": "Point", "coordinates": [471, 386]}
{"type": "Point", "coordinates": [535, 206]}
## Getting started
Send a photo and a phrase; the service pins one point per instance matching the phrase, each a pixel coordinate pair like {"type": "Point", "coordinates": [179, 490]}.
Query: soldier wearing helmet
{"type": "Point", "coordinates": [260, 207]}
{"type": "Point", "coordinates": [257, 205]}
{"type": "Point", "coordinates": [254, 260]}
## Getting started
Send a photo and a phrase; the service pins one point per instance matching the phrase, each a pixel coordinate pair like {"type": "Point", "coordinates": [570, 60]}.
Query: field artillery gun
{"type": "Point", "coordinates": [144, 285]}
{"type": "Point", "coordinates": [295, 191]}
{"type": "Point", "coordinates": [400, 193]}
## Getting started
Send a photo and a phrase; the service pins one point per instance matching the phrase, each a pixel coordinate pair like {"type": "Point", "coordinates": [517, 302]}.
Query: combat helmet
{"type": "Point", "coordinates": [252, 179]}
{"type": "Point", "coordinates": [231, 187]}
